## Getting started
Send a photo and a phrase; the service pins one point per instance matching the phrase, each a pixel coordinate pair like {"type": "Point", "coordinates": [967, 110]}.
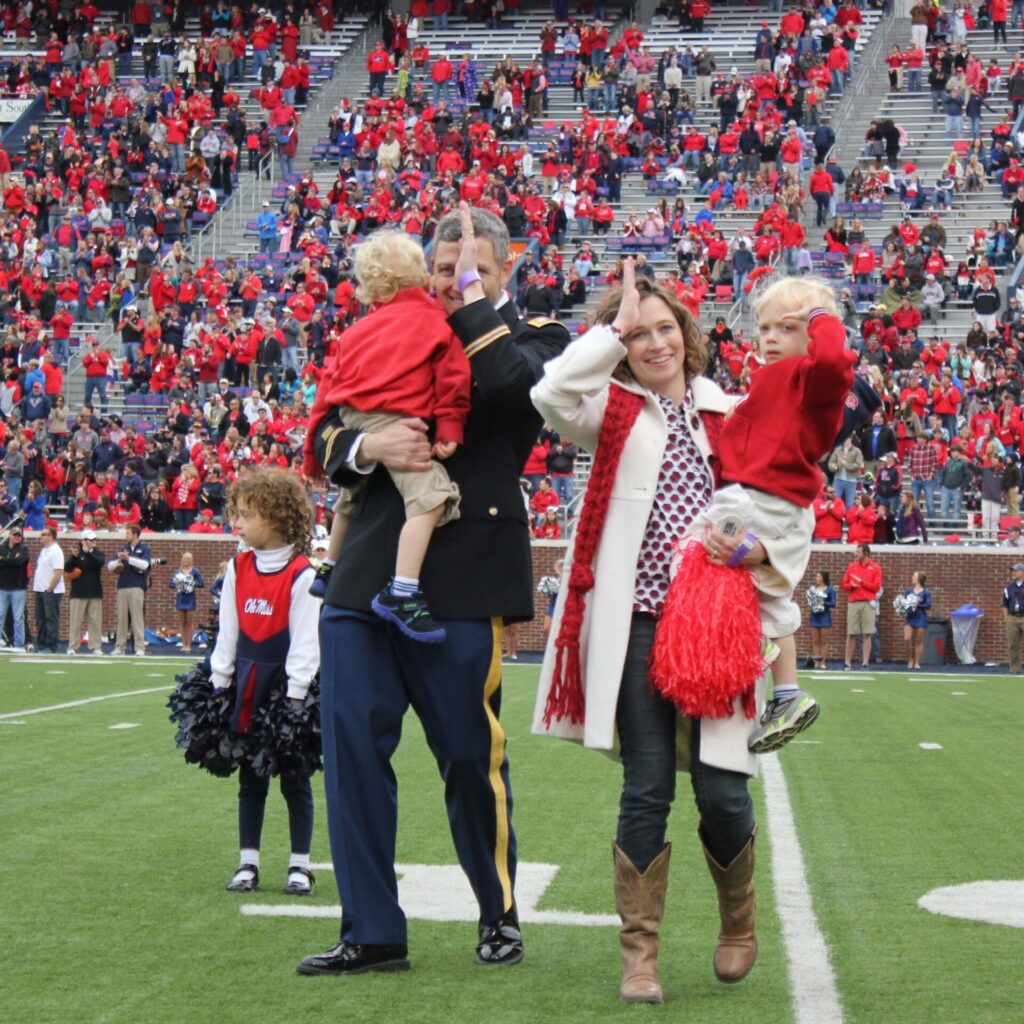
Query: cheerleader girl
{"type": "Point", "coordinates": [267, 640]}
{"type": "Point", "coordinates": [914, 602]}
{"type": "Point", "coordinates": [821, 599]}
{"type": "Point", "coordinates": [185, 582]}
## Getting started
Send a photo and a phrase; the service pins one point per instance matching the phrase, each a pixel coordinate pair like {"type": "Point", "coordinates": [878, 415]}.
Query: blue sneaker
{"type": "Point", "coordinates": [318, 588]}
{"type": "Point", "coordinates": [410, 614]}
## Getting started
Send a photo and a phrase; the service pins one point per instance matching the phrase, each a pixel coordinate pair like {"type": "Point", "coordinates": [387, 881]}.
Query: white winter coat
{"type": "Point", "coordinates": [572, 397]}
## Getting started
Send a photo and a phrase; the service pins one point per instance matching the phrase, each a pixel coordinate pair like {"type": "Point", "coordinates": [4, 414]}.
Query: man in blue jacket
{"type": "Point", "coordinates": [267, 224]}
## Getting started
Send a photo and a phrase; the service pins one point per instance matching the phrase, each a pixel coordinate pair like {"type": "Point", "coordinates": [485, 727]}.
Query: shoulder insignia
{"type": "Point", "coordinates": [544, 321]}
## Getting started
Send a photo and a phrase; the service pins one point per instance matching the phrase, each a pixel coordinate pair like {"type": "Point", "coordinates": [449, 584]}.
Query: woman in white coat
{"type": "Point", "coordinates": [631, 392]}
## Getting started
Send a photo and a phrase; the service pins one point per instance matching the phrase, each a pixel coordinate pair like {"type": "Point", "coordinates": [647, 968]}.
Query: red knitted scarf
{"type": "Point", "coordinates": [565, 698]}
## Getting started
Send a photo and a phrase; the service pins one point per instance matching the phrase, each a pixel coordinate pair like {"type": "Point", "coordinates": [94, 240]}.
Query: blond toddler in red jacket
{"type": "Point", "coordinates": [769, 449]}
{"type": "Point", "coordinates": [402, 360]}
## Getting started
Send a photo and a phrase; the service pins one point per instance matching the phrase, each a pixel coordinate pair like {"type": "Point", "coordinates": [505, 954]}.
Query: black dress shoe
{"type": "Point", "coordinates": [501, 941]}
{"type": "Point", "coordinates": [350, 958]}
{"type": "Point", "coordinates": [300, 882]}
{"type": "Point", "coordinates": [245, 884]}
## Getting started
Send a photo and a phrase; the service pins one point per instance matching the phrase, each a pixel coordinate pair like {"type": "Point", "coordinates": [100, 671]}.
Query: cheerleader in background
{"type": "Point", "coordinates": [185, 582]}
{"type": "Point", "coordinates": [267, 641]}
{"type": "Point", "coordinates": [821, 598]}
{"type": "Point", "coordinates": [914, 603]}
{"type": "Point", "coordinates": [548, 587]}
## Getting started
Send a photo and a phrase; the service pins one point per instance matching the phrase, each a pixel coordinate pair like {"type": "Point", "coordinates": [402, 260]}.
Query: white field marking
{"type": "Point", "coordinates": [990, 902]}
{"type": "Point", "coordinates": [56, 672]}
{"type": "Point", "coordinates": [156, 675]}
{"type": "Point", "coordinates": [958, 693]}
{"type": "Point", "coordinates": [857, 677]}
{"type": "Point", "coordinates": [930, 746]}
{"type": "Point", "coordinates": [85, 700]}
{"type": "Point", "coordinates": [814, 742]}
{"type": "Point", "coordinates": [858, 691]}
{"type": "Point", "coordinates": [811, 977]}
{"type": "Point", "coordinates": [441, 892]}
{"type": "Point", "coordinates": [125, 725]}
{"type": "Point", "coordinates": [87, 659]}
{"type": "Point", "coordinates": [14, 722]}
{"type": "Point", "coordinates": [946, 679]}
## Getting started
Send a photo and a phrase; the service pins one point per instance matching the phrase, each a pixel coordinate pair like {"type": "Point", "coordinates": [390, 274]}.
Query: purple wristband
{"type": "Point", "coordinates": [466, 279]}
{"type": "Point", "coordinates": [745, 547]}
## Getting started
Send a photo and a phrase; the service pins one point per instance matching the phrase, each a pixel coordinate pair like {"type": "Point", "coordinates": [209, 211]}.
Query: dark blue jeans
{"type": "Point", "coordinates": [47, 620]}
{"type": "Point", "coordinates": [647, 737]}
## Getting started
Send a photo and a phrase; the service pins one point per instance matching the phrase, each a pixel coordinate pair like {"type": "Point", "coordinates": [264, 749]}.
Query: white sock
{"type": "Point", "coordinates": [784, 690]}
{"type": "Point", "coordinates": [298, 860]}
{"type": "Point", "coordinates": [251, 857]}
{"type": "Point", "coordinates": [403, 586]}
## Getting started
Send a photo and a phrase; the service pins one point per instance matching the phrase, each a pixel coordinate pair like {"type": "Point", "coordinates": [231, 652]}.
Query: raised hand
{"type": "Point", "coordinates": [629, 307]}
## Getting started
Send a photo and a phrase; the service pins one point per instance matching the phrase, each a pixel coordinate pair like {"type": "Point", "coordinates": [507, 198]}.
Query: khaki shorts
{"type": "Point", "coordinates": [421, 492]}
{"type": "Point", "coordinates": [860, 619]}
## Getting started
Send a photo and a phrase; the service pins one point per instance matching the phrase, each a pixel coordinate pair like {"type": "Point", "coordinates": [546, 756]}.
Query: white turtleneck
{"type": "Point", "coordinates": [303, 625]}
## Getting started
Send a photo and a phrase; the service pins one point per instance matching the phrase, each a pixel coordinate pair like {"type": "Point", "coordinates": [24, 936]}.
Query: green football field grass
{"type": "Point", "coordinates": [115, 854]}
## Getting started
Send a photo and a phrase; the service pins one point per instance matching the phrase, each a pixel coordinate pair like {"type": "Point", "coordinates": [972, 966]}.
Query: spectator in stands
{"type": "Point", "coordinates": [829, 516]}
{"type": "Point", "coordinates": [861, 518]}
{"type": "Point", "coordinates": [989, 471]}
{"type": "Point", "coordinates": [956, 476]}
{"type": "Point", "coordinates": [910, 525]}
{"type": "Point", "coordinates": [846, 464]}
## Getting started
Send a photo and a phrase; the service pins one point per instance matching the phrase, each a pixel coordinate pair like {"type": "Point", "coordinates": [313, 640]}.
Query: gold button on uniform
{"type": "Point", "coordinates": [492, 511]}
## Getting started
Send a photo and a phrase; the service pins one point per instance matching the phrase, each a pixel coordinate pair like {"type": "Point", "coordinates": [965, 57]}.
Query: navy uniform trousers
{"type": "Point", "coordinates": [370, 675]}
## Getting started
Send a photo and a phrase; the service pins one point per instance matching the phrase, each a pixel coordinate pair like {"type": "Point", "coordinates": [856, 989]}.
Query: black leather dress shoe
{"type": "Point", "coordinates": [300, 882]}
{"type": "Point", "coordinates": [350, 958]}
{"type": "Point", "coordinates": [501, 941]}
{"type": "Point", "coordinates": [245, 884]}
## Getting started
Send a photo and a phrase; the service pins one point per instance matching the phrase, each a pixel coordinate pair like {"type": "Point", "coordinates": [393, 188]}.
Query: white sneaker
{"type": "Point", "coordinates": [138, 654]}
{"type": "Point", "coordinates": [70, 651]}
{"type": "Point", "coordinates": [15, 650]}
{"type": "Point", "coordinates": [119, 651]}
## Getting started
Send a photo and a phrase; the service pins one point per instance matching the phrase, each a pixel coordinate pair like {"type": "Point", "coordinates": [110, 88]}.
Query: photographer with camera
{"type": "Point", "coordinates": [132, 565]}
{"type": "Point", "coordinates": [83, 570]}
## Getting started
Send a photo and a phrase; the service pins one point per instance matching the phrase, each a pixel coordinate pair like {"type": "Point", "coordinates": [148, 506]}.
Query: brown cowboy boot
{"type": "Point", "coordinates": [737, 942]}
{"type": "Point", "coordinates": [640, 902]}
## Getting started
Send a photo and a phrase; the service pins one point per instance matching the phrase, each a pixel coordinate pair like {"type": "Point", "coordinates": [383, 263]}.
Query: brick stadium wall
{"type": "Point", "coordinates": [955, 577]}
{"type": "Point", "coordinates": [208, 553]}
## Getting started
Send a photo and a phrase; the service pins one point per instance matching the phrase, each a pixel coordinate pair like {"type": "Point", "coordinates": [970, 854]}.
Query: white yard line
{"type": "Point", "coordinates": [859, 676]}
{"type": "Point", "coordinates": [811, 978]}
{"type": "Point", "coordinates": [948, 678]}
{"type": "Point", "coordinates": [85, 700]}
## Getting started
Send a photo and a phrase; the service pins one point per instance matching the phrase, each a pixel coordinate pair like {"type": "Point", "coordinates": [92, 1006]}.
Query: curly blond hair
{"type": "Point", "coordinates": [386, 263]}
{"type": "Point", "coordinates": [280, 498]}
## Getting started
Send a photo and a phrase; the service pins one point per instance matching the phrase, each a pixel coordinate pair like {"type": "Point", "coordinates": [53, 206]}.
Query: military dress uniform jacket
{"type": "Point", "coordinates": [479, 566]}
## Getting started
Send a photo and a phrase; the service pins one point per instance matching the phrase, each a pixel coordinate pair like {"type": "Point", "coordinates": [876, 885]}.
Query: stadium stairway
{"type": "Point", "coordinates": [928, 149]}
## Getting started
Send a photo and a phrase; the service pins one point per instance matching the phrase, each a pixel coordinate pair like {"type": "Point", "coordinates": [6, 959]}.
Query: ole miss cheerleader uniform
{"type": "Point", "coordinates": [267, 642]}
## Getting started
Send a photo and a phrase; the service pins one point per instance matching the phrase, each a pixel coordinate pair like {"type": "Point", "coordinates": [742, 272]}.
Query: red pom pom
{"type": "Point", "coordinates": [707, 650]}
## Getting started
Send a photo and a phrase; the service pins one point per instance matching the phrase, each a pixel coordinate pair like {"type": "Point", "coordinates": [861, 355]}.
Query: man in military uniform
{"type": "Point", "coordinates": [1013, 614]}
{"type": "Point", "coordinates": [476, 578]}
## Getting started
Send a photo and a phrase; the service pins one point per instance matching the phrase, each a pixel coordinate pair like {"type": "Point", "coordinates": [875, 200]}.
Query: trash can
{"type": "Point", "coordinates": [935, 642]}
{"type": "Point", "coordinates": [966, 623]}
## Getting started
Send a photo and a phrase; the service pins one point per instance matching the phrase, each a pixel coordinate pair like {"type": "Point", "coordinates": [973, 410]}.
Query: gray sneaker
{"type": "Point", "coordinates": [783, 719]}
